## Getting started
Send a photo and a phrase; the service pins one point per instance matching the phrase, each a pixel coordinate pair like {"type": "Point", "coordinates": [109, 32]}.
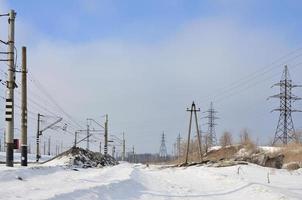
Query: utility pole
{"type": "Point", "coordinates": [4, 141]}
{"type": "Point", "coordinates": [61, 147]}
{"type": "Point", "coordinates": [100, 146]}
{"type": "Point", "coordinates": [124, 147]}
{"type": "Point", "coordinates": [193, 110]}
{"type": "Point", "coordinates": [75, 138]}
{"type": "Point", "coordinates": [24, 109]}
{"type": "Point", "coordinates": [174, 151]}
{"type": "Point", "coordinates": [285, 131]}
{"type": "Point", "coordinates": [133, 154]}
{"type": "Point", "coordinates": [38, 138]}
{"type": "Point", "coordinates": [40, 131]}
{"type": "Point", "coordinates": [48, 146]}
{"type": "Point", "coordinates": [106, 136]}
{"type": "Point", "coordinates": [211, 135]}
{"type": "Point", "coordinates": [9, 111]}
{"type": "Point", "coordinates": [178, 146]}
{"type": "Point", "coordinates": [113, 151]}
{"type": "Point", "coordinates": [87, 147]}
{"type": "Point", "coordinates": [44, 148]}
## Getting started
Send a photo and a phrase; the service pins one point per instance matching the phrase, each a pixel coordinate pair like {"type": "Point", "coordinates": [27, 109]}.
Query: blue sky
{"type": "Point", "coordinates": [79, 20]}
{"type": "Point", "coordinates": [144, 62]}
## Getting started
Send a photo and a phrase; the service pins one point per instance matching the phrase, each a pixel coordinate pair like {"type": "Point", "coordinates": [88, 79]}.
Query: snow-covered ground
{"type": "Point", "coordinates": [136, 181]}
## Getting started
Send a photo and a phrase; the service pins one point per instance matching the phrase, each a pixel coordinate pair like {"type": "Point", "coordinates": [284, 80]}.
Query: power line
{"type": "Point", "coordinates": [41, 88]}
{"type": "Point", "coordinates": [251, 77]}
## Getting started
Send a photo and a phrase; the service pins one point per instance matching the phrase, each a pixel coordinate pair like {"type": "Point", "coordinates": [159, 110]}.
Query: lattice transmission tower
{"type": "Point", "coordinates": [285, 131]}
{"type": "Point", "coordinates": [163, 149]}
{"type": "Point", "coordinates": [211, 134]}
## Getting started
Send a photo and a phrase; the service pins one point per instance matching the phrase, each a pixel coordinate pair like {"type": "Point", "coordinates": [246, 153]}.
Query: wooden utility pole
{"type": "Point", "coordinates": [24, 109]}
{"type": "Point", "coordinates": [9, 108]}
{"type": "Point", "coordinates": [193, 110]}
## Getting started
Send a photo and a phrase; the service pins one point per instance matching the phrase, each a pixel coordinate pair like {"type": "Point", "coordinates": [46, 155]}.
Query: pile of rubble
{"type": "Point", "coordinates": [241, 154]}
{"type": "Point", "coordinates": [82, 158]}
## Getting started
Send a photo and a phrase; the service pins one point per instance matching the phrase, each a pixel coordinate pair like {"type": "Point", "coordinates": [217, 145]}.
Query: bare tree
{"type": "Point", "coordinates": [298, 136]}
{"type": "Point", "coordinates": [226, 139]}
{"type": "Point", "coordinates": [245, 137]}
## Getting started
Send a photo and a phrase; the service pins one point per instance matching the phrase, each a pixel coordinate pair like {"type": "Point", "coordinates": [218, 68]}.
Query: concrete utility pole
{"type": "Point", "coordinates": [9, 112]}
{"type": "Point", "coordinates": [106, 136]}
{"type": "Point", "coordinates": [44, 148]}
{"type": "Point", "coordinates": [133, 154]}
{"type": "Point", "coordinates": [178, 147]}
{"type": "Point", "coordinates": [38, 139]}
{"type": "Point", "coordinates": [48, 146]}
{"type": "Point", "coordinates": [113, 151]}
{"type": "Point", "coordinates": [87, 146]}
{"type": "Point", "coordinates": [24, 109]}
{"type": "Point", "coordinates": [75, 138]}
{"type": "Point", "coordinates": [124, 147]}
{"type": "Point", "coordinates": [39, 132]}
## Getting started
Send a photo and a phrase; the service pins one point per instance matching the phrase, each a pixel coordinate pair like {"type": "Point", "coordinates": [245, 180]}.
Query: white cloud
{"type": "Point", "coordinates": [146, 88]}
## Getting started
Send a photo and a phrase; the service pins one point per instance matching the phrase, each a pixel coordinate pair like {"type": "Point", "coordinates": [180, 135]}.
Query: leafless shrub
{"type": "Point", "coordinates": [298, 136]}
{"type": "Point", "coordinates": [292, 152]}
{"type": "Point", "coordinates": [246, 140]}
{"type": "Point", "coordinates": [226, 139]}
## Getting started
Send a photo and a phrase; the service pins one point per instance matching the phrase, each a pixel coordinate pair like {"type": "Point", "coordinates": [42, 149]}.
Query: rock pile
{"type": "Point", "coordinates": [82, 158]}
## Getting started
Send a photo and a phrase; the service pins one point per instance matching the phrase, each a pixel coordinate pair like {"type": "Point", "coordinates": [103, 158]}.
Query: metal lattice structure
{"type": "Point", "coordinates": [211, 134]}
{"type": "Point", "coordinates": [163, 149]}
{"type": "Point", "coordinates": [285, 131]}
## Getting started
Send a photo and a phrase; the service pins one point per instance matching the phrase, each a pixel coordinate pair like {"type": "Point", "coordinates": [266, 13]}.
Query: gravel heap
{"type": "Point", "coordinates": [80, 157]}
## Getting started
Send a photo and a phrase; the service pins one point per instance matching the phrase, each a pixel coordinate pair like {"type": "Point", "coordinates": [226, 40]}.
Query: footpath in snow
{"type": "Point", "coordinates": [135, 181]}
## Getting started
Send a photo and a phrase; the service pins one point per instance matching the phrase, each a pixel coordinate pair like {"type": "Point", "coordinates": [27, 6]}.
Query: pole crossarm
{"type": "Point", "coordinates": [90, 119]}
{"type": "Point", "coordinates": [51, 125]}
{"type": "Point", "coordinates": [83, 139]}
